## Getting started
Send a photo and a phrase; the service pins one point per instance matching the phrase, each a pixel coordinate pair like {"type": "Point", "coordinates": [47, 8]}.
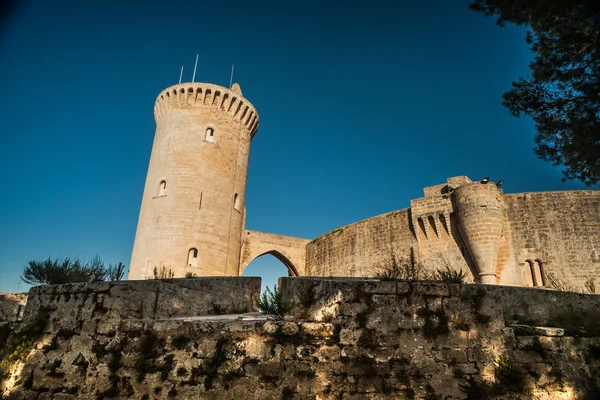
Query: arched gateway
{"type": "Point", "coordinates": [290, 251]}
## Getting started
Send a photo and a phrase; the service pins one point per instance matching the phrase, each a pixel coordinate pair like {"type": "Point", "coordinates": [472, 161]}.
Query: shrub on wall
{"type": "Point", "coordinates": [274, 303]}
{"type": "Point", "coordinates": [163, 273]}
{"type": "Point", "coordinates": [51, 272]}
{"type": "Point", "coordinates": [450, 275]}
{"type": "Point", "coordinates": [409, 269]}
{"type": "Point", "coordinates": [395, 268]}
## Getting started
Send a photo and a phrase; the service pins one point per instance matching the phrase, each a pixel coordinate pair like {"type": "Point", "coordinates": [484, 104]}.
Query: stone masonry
{"type": "Point", "coordinates": [12, 306]}
{"type": "Point", "coordinates": [524, 239]}
{"type": "Point", "coordinates": [192, 218]}
{"type": "Point", "coordinates": [343, 339]}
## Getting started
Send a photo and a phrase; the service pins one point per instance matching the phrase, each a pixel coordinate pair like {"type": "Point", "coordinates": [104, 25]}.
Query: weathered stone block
{"type": "Point", "coordinates": [431, 289]}
{"type": "Point", "coordinates": [351, 309]}
{"type": "Point", "coordinates": [328, 353]}
{"type": "Point", "coordinates": [12, 306]}
{"type": "Point", "coordinates": [289, 328]}
{"type": "Point", "coordinates": [547, 331]}
{"type": "Point", "coordinates": [349, 337]}
{"type": "Point", "coordinates": [318, 329]}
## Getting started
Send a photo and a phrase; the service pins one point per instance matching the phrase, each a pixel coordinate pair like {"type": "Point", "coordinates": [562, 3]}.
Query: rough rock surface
{"type": "Point", "coordinates": [345, 339]}
{"type": "Point", "coordinates": [12, 306]}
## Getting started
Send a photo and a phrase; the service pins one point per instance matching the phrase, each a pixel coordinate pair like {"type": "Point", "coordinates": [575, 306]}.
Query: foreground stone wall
{"type": "Point", "coordinates": [347, 339]}
{"type": "Point", "coordinates": [12, 306]}
{"type": "Point", "coordinates": [170, 298]}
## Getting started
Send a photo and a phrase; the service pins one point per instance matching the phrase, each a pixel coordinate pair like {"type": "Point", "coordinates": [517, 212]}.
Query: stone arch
{"type": "Point", "coordinates": [290, 251]}
{"type": "Point", "coordinates": [293, 271]}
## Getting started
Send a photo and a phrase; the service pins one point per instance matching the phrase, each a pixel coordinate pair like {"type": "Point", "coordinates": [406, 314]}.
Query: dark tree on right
{"type": "Point", "coordinates": [562, 91]}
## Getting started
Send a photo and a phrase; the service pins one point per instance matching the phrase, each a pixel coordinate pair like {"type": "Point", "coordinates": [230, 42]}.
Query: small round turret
{"type": "Point", "coordinates": [480, 215]}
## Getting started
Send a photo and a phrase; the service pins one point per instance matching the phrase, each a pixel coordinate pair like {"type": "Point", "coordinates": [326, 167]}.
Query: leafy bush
{"type": "Point", "coordinates": [450, 275]}
{"type": "Point", "coordinates": [274, 303]}
{"type": "Point", "coordinates": [162, 273]}
{"type": "Point", "coordinates": [50, 272]}
{"type": "Point", "coordinates": [401, 269]}
{"type": "Point", "coordinates": [115, 272]}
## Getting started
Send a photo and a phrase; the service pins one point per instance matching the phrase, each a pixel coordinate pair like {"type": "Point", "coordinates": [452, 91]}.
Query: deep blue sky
{"type": "Point", "coordinates": [362, 104]}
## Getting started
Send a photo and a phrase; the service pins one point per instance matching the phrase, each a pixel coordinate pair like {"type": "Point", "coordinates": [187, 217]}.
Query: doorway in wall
{"type": "Point", "coordinates": [269, 268]}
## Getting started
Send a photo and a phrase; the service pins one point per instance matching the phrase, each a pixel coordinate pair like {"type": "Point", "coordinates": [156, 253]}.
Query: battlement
{"type": "Point", "coordinates": [205, 95]}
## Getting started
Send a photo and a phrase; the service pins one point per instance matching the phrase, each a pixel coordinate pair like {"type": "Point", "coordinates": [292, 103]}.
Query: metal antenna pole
{"type": "Point", "coordinates": [231, 78]}
{"type": "Point", "coordinates": [181, 74]}
{"type": "Point", "coordinates": [195, 65]}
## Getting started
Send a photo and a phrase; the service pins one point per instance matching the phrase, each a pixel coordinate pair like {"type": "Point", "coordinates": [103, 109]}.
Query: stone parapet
{"type": "Point", "coordinates": [326, 296]}
{"type": "Point", "coordinates": [169, 298]}
{"type": "Point", "coordinates": [205, 95]}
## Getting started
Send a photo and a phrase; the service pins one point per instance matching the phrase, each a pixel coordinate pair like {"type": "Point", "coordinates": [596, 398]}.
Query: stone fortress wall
{"type": "Point", "coordinates": [515, 239]}
{"type": "Point", "coordinates": [344, 338]}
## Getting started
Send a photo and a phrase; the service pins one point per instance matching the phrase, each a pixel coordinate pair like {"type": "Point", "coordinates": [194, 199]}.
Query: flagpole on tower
{"type": "Point", "coordinates": [231, 77]}
{"type": "Point", "coordinates": [181, 74]}
{"type": "Point", "coordinates": [195, 65]}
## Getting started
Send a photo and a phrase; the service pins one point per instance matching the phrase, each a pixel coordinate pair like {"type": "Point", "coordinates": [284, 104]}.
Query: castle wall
{"type": "Point", "coordinates": [291, 251]}
{"type": "Point", "coordinates": [12, 306]}
{"type": "Point", "coordinates": [350, 339]}
{"type": "Point", "coordinates": [363, 248]}
{"type": "Point", "coordinates": [356, 249]}
{"type": "Point", "coordinates": [191, 217]}
{"type": "Point", "coordinates": [440, 242]}
{"type": "Point", "coordinates": [479, 230]}
{"type": "Point", "coordinates": [561, 229]}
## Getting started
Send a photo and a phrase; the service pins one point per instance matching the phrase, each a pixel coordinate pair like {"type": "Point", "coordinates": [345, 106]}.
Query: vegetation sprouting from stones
{"type": "Point", "coordinates": [274, 303]}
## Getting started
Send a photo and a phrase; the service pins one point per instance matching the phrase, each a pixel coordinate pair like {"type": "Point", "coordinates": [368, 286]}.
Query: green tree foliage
{"type": "Point", "coordinates": [562, 91]}
{"type": "Point", "coordinates": [50, 272]}
{"type": "Point", "coordinates": [274, 303]}
{"type": "Point", "coordinates": [115, 272]}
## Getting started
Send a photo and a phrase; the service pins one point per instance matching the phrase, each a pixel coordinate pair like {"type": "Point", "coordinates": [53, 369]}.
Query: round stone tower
{"type": "Point", "coordinates": [192, 214]}
{"type": "Point", "coordinates": [480, 219]}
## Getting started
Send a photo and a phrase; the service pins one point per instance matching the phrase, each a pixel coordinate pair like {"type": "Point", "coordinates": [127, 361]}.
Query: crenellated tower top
{"type": "Point", "coordinates": [216, 98]}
